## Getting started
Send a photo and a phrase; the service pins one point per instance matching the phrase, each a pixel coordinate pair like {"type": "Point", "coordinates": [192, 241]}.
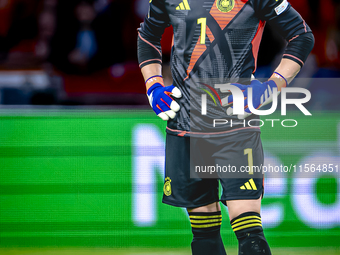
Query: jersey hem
{"type": "Point", "coordinates": [223, 201]}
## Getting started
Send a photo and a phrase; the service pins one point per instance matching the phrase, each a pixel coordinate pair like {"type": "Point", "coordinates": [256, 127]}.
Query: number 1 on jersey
{"type": "Point", "coordinates": [203, 22]}
{"type": "Point", "coordinates": [249, 152]}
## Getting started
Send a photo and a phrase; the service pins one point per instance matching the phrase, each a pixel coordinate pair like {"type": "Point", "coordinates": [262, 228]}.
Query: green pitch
{"type": "Point", "coordinates": [68, 178]}
{"type": "Point", "coordinates": [98, 251]}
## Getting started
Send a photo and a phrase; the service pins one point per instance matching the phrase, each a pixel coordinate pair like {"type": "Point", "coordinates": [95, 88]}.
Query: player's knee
{"type": "Point", "coordinates": [205, 224]}
{"type": "Point", "coordinates": [249, 232]}
{"type": "Point", "coordinates": [247, 224]}
{"type": "Point", "coordinates": [238, 207]}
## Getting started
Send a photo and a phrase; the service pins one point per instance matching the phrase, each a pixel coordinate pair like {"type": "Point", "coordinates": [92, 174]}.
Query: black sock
{"type": "Point", "coordinates": [206, 230]}
{"type": "Point", "coordinates": [249, 232]}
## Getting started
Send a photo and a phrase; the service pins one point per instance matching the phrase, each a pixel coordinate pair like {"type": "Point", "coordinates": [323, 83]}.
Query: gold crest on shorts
{"type": "Point", "coordinates": [167, 186]}
{"type": "Point", "coordinates": [225, 5]}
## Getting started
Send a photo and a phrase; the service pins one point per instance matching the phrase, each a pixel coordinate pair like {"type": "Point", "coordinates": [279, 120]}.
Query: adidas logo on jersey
{"type": "Point", "coordinates": [183, 6]}
{"type": "Point", "coordinates": [249, 185]}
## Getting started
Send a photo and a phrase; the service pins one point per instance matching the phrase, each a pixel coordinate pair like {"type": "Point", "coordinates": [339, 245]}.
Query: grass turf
{"type": "Point", "coordinates": [152, 251]}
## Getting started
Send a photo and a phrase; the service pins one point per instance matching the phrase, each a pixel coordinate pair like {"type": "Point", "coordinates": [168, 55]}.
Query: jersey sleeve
{"type": "Point", "coordinates": [289, 23]}
{"type": "Point", "coordinates": [150, 34]}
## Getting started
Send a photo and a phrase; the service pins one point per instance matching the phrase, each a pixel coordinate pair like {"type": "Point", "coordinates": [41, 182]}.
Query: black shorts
{"type": "Point", "coordinates": [238, 150]}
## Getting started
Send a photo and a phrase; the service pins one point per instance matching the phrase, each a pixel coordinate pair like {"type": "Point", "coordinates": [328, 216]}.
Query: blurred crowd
{"type": "Point", "coordinates": [74, 36]}
{"type": "Point", "coordinates": [85, 52]}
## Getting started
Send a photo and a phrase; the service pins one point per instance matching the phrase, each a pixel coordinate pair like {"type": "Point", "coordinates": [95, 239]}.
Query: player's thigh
{"type": "Point", "coordinates": [213, 207]}
{"type": "Point", "coordinates": [179, 188]}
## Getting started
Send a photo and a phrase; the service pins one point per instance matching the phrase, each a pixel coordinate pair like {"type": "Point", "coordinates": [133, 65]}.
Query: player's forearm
{"type": "Point", "coordinates": [288, 69]}
{"type": "Point", "coordinates": [151, 70]}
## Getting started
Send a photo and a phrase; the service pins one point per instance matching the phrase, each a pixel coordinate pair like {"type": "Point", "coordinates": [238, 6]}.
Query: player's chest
{"type": "Point", "coordinates": [211, 12]}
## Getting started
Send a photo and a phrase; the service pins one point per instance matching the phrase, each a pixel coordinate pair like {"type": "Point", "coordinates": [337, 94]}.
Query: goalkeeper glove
{"type": "Point", "coordinates": [159, 98]}
{"type": "Point", "coordinates": [262, 94]}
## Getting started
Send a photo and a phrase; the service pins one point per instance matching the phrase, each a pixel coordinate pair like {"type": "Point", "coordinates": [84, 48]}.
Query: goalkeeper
{"type": "Point", "coordinates": [216, 42]}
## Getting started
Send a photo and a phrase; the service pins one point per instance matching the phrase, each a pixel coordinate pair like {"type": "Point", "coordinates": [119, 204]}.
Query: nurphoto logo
{"type": "Point", "coordinates": [271, 96]}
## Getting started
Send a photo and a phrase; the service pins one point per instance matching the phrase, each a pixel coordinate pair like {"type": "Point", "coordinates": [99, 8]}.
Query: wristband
{"type": "Point", "coordinates": [282, 78]}
{"type": "Point", "coordinates": [152, 80]}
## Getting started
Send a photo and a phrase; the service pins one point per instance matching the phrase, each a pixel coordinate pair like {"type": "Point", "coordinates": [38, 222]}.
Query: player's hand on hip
{"type": "Point", "coordinates": [160, 98]}
{"type": "Point", "coordinates": [262, 94]}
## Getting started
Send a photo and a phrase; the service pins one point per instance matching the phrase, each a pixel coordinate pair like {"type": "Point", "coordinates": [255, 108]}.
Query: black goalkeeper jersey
{"type": "Point", "coordinates": [215, 42]}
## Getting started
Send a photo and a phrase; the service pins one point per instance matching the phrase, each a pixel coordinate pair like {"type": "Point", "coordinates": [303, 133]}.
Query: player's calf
{"type": "Point", "coordinates": [249, 232]}
{"type": "Point", "coordinates": [206, 233]}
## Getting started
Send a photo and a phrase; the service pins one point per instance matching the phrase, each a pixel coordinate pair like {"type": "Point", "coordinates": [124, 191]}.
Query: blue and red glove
{"type": "Point", "coordinates": [160, 97]}
{"type": "Point", "coordinates": [262, 95]}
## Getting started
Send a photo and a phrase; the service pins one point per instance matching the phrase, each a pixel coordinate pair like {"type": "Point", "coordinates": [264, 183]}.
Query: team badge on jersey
{"type": "Point", "coordinates": [225, 5]}
{"type": "Point", "coordinates": [167, 186]}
